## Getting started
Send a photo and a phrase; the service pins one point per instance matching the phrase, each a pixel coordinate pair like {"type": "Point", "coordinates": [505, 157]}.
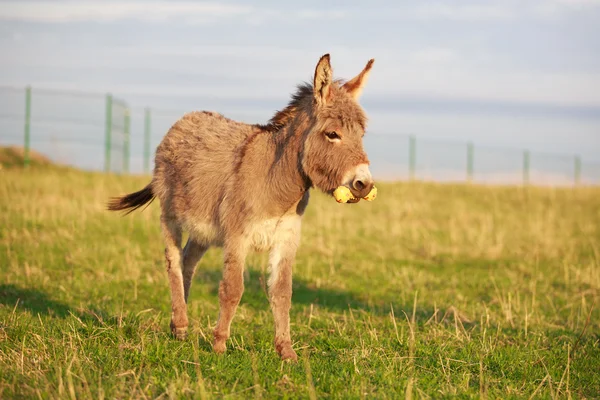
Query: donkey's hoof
{"type": "Point", "coordinates": [288, 354]}
{"type": "Point", "coordinates": [219, 347]}
{"type": "Point", "coordinates": [179, 333]}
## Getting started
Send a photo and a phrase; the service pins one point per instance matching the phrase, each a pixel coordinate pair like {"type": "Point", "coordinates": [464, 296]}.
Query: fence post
{"type": "Point", "coordinates": [126, 127]}
{"type": "Point", "coordinates": [526, 167]}
{"type": "Point", "coordinates": [470, 160]}
{"type": "Point", "coordinates": [412, 156]}
{"type": "Point", "coordinates": [147, 140]}
{"type": "Point", "coordinates": [108, 132]}
{"type": "Point", "coordinates": [577, 170]}
{"type": "Point", "coordinates": [26, 159]}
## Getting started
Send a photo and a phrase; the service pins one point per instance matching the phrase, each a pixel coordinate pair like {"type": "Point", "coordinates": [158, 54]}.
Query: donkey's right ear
{"type": "Point", "coordinates": [355, 85]}
{"type": "Point", "coordinates": [322, 81]}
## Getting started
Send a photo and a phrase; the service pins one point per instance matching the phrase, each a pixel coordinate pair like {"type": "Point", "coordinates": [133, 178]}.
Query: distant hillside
{"type": "Point", "coordinates": [12, 157]}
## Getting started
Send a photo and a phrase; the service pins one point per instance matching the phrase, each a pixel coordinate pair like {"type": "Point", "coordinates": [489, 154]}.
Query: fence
{"type": "Point", "coordinates": [102, 132]}
{"type": "Point", "coordinates": [82, 129]}
{"type": "Point", "coordinates": [408, 157]}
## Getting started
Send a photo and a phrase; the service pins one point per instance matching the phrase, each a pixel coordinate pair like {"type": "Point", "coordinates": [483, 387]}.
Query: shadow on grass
{"type": "Point", "coordinates": [38, 302]}
{"type": "Point", "coordinates": [307, 293]}
{"type": "Point", "coordinates": [255, 295]}
{"type": "Point", "coordinates": [33, 300]}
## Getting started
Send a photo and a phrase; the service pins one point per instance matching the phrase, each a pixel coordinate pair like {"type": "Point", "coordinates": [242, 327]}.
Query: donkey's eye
{"type": "Point", "coordinates": [332, 136]}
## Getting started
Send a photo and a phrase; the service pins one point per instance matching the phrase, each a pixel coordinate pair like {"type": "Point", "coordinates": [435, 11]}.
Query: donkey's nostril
{"type": "Point", "coordinates": [358, 184]}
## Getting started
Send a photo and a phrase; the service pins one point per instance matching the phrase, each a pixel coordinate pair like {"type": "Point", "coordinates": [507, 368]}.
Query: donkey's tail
{"type": "Point", "coordinates": [132, 201]}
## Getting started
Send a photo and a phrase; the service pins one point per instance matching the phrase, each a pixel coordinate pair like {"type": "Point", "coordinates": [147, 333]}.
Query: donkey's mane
{"type": "Point", "coordinates": [283, 117]}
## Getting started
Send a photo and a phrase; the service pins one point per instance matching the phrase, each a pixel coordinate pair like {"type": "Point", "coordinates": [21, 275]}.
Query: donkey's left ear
{"type": "Point", "coordinates": [322, 80]}
{"type": "Point", "coordinates": [356, 84]}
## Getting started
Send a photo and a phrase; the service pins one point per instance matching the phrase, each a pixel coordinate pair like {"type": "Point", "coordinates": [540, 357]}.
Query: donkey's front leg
{"type": "Point", "coordinates": [281, 260]}
{"type": "Point", "coordinates": [231, 289]}
{"type": "Point", "coordinates": [280, 296]}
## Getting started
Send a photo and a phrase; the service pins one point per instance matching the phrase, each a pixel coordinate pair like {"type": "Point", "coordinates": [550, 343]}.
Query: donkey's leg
{"type": "Point", "coordinates": [281, 260]}
{"type": "Point", "coordinates": [231, 289]}
{"type": "Point", "coordinates": [192, 253]}
{"type": "Point", "coordinates": [172, 237]}
{"type": "Point", "coordinates": [280, 297]}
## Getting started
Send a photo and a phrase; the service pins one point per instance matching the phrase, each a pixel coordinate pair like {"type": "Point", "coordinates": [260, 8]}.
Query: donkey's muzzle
{"type": "Point", "coordinates": [358, 179]}
{"type": "Point", "coordinates": [362, 182]}
{"type": "Point", "coordinates": [361, 187]}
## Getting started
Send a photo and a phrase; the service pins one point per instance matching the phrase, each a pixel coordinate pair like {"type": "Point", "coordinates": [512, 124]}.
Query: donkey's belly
{"type": "Point", "coordinates": [206, 233]}
{"type": "Point", "coordinates": [262, 234]}
{"type": "Point", "coordinates": [265, 234]}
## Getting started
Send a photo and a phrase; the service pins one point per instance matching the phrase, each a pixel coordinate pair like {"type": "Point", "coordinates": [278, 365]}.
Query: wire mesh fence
{"type": "Point", "coordinates": [67, 126]}
{"type": "Point", "coordinates": [439, 160]}
{"type": "Point", "coordinates": [117, 136]}
{"type": "Point", "coordinates": [101, 132]}
{"type": "Point", "coordinates": [86, 130]}
{"type": "Point", "coordinates": [12, 115]}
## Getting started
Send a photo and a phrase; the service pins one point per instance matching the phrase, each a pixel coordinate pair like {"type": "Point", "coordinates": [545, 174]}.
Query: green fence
{"type": "Point", "coordinates": [87, 130]}
{"type": "Point", "coordinates": [412, 158]}
{"type": "Point", "coordinates": [101, 132]}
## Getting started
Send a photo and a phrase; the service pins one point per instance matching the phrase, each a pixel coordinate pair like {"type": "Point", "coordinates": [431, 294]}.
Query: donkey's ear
{"type": "Point", "coordinates": [356, 84]}
{"type": "Point", "coordinates": [322, 80]}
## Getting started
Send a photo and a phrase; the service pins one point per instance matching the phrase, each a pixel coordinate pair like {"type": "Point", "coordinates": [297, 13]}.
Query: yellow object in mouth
{"type": "Point", "coordinates": [372, 194]}
{"type": "Point", "coordinates": [343, 195]}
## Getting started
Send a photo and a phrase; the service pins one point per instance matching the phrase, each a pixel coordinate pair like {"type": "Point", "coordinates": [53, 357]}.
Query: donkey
{"type": "Point", "coordinates": [245, 188]}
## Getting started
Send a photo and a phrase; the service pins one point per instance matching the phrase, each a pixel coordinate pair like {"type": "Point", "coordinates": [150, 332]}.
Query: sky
{"type": "Point", "coordinates": [514, 74]}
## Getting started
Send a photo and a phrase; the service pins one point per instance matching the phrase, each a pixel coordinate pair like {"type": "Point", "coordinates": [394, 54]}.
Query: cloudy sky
{"type": "Point", "coordinates": [522, 74]}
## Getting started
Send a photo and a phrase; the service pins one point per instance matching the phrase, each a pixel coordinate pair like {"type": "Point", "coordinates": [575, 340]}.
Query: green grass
{"type": "Point", "coordinates": [431, 291]}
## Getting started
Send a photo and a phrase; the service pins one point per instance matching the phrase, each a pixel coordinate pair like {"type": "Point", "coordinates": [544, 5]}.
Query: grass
{"type": "Point", "coordinates": [12, 157]}
{"type": "Point", "coordinates": [431, 291]}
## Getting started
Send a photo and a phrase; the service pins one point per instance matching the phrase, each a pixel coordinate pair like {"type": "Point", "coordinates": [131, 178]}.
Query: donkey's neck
{"type": "Point", "coordinates": [285, 181]}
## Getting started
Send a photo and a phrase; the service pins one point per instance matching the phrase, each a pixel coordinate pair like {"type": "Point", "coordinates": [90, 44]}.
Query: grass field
{"type": "Point", "coordinates": [431, 291]}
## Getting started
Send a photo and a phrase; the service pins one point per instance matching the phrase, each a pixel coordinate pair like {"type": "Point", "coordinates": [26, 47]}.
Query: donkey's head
{"type": "Point", "coordinates": [333, 151]}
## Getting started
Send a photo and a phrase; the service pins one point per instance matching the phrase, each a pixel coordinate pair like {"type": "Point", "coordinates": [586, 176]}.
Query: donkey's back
{"type": "Point", "coordinates": [194, 163]}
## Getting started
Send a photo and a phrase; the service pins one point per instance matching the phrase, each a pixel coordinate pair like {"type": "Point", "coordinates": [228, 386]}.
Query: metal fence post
{"type": "Point", "coordinates": [412, 156]}
{"type": "Point", "coordinates": [26, 158]}
{"type": "Point", "coordinates": [577, 170]}
{"type": "Point", "coordinates": [108, 132]}
{"type": "Point", "coordinates": [147, 121]}
{"type": "Point", "coordinates": [126, 127]}
{"type": "Point", "coordinates": [470, 159]}
{"type": "Point", "coordinates": [526, 167]}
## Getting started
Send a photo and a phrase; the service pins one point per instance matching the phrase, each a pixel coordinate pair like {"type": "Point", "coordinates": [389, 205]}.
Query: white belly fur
{"type": "Point", "coordinates": [208, 234]}
{"type": "Point", "coordinates": [265, 234]}
{"type": "Point", "coordinates": [261, 235]}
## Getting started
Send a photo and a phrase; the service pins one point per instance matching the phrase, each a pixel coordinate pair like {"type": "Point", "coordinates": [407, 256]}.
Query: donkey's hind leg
{"type": "Point", "coordinates": [172, 238]}
{"type": "Point", "coordinates": [192, 253]}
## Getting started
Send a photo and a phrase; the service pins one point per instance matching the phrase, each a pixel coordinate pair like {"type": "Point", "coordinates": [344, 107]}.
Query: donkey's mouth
{"type": "Point", "coordinates": [354, 200]}
{"type": "Point", "coordinates": [343, 194]}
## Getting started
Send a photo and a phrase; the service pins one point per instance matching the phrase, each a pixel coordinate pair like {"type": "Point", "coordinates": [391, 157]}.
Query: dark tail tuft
{"type": "Point", "coordinates": [131, 201]}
